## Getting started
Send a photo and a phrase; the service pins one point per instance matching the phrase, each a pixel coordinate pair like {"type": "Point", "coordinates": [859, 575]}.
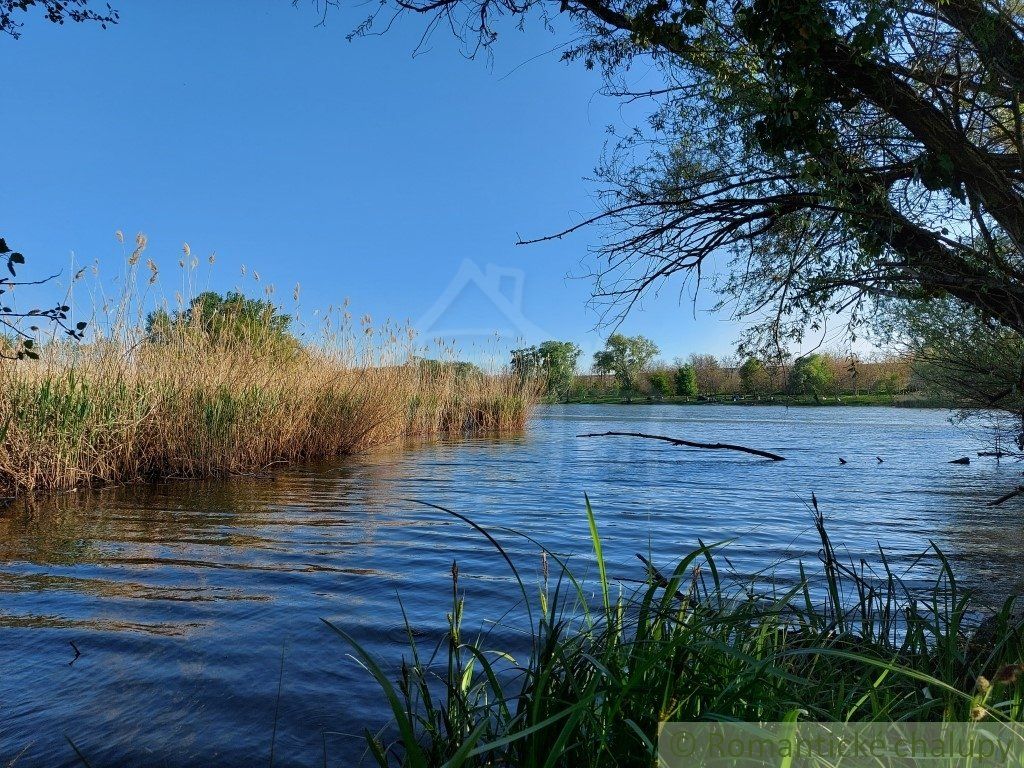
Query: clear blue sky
{"type": "Point", "coordinates": [352, 168]}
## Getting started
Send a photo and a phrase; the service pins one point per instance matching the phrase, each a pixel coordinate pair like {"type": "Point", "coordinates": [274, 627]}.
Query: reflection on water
{"type": "Point", "coordinates": [184, 598]}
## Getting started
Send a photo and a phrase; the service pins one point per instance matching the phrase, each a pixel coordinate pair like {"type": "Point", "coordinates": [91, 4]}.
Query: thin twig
{"type": "Point", "coordinates": [659, 579]}
{"type": "Point", "coordinates": [692, 444]}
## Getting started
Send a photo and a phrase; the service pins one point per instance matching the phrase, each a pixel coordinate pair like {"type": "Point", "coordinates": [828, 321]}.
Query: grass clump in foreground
{"type": "Point", "coordinates": [221, 386]}
{"type": "Point", "coordinates": [600, 674]}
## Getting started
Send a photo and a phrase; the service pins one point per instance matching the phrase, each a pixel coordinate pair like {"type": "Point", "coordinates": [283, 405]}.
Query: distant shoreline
{"type": "Point", "coordinates": [888, 401]}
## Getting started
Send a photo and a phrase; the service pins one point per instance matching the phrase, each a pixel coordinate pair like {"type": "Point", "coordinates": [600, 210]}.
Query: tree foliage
{"type": "Point", "coordinates": [709, 374]}
{"type": "Point", "coordinates": [660, 383]}
{"type": "Point", "coordinates": [55, 11]}
{"type": "Point", "coordinates": [755, 378]}
{"type": "Point", "coordinates": [811, 375]}
{"type": "Point", "coordinates": [980, 364]}
{"type": "Point", "coordinates": [231, 318]}
{"type": "Point", "coordinates": [685, 381]}
{"type": "Point", "coordinates": [625, 357]}
{"type": "Point", "coordinates": [838, 151]}
{"type": "Point", "coordinates": [19, 341]}
{"type": "Point", "coordinates": [554, 361]}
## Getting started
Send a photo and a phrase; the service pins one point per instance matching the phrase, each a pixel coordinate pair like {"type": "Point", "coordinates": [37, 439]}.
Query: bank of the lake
{"type": "Point", "coordinates": [914, 400]}
{"type": "Point", "coordinates": [131, 409]}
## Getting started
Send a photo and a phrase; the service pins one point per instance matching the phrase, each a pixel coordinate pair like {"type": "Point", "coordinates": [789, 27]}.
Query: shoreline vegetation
{"type": "Point", "coordinates": [603, 664]}
{"type": "Point", "coordinates": [220, 386]}
{"type": "Point", "coordinates": [627, 371]}
{"type": "Point", "coordinates": [904, 400]}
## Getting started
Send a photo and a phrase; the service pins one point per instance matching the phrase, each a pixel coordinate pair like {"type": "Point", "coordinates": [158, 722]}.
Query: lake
{"type": "Point", "coordinates": [191, 603]}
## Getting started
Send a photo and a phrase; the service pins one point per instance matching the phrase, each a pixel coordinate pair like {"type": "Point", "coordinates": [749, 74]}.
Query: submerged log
{"type": "Point", "coordinates": [1006, 496]}
{"type": "Point", "coordinates": [964, 460]}
{"type": "Point", "coordinates": [692, 444]}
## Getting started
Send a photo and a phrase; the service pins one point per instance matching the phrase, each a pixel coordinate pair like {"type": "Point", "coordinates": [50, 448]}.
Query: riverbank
{"type": "Point", "coordinates": [913, 400]}
{"type": "Point", "coordinates": [114, 413]}
{"type": "Point", "coordinates": [226, 385]}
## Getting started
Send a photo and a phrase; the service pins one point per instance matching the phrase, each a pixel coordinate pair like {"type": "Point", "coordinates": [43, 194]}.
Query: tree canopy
{"type": "Point", "coordinates": [754, 377]}
{"type": "Point", "coordinates": [625, 357]}
{"type": "Point", "coordinates": [554, 361]}
{"type": "Point", "coordinates": [811, 375]}
{"type": "Point", "coordinates": [832, 151]}
{"type": "Point", "coordinates": [686, 381]}
{"type": "Point", "coordinates": [231, 318]}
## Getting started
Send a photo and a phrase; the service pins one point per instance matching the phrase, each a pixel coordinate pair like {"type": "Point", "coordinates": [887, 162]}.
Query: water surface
{"type": "Point", "coordinates": [191, 603]}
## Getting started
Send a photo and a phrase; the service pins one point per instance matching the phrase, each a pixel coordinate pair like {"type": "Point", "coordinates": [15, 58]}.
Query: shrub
{"type": "Point", "coordinates": [686, 381]}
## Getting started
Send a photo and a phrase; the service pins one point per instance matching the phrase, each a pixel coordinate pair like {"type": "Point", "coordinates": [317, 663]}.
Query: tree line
{"type": "Point", "coordinates": [628, 367]}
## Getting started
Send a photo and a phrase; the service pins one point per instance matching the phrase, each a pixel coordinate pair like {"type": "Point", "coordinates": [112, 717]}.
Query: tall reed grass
{"type": "Point", "coordinates": [603, 669]}
{"type": "Point", "coordinates": [128, 404]}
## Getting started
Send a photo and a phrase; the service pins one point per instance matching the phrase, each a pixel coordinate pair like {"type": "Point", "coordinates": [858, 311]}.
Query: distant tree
{"type": "Point", "coordinates": [660, 383]}
{"type": "Point", "coordinates": [552, 361]}
{"type": "Point", "coordinates": [626, 357]}
{"type": "Point", "coordinates": [223, 319]}
{"type": "Point", "coordinates": [686, 381]}
{"type": "Point", "coordinates": [708, 372]}
{"type": "Point", "coordinates": [811, 375]}
{"type": "Point", "coordinates": [525, 362]}
{"type": "Point", "coordinates": [460, 369]}
{"type": "Point", "coordinates": [754, 377]}
{"type": "Point", "coordinates": [558, 363]}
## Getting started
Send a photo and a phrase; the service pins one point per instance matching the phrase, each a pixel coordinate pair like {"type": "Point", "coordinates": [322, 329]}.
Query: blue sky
{"type": "Point", "coordinates": [354, 169]}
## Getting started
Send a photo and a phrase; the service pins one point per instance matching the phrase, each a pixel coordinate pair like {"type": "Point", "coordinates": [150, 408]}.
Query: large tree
{"type": "Point", "coordinates": [626, 357]}
{"type": "Point", "coordinates": [553, 361]}
{"type": "Point", "coordinates": [835, 150]}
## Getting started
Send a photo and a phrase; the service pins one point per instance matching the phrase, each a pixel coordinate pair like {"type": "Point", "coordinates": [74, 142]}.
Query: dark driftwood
{"type": "Point", "coordinates": [691, 444]}
{"type": "Point", "coordinates": [964, 460]}
{"type": "Point", "coordinates": [1006, 496]}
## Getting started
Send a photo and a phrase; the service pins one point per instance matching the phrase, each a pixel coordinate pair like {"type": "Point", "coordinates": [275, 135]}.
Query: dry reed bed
{"type": "Point", "coordinates": [128, 409]}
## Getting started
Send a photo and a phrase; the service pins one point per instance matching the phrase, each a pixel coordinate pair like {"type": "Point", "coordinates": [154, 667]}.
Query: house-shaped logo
{"type": "Point", "coordinates": [500, 287]}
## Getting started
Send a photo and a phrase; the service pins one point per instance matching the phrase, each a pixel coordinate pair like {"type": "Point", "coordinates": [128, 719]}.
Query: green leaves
{"type": "Point", "coordinates": [14, 258]}
{"type": "Point", "coordinates": [626, 357]}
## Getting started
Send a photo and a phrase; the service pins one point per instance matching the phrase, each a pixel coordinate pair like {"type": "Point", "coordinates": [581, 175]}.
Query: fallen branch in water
{"type": "Point", "coordinates": [1006, 496]}
{"type": "Point", "coordinates": [691, 444]}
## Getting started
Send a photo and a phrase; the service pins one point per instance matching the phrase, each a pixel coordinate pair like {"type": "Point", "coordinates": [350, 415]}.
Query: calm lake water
{"type": "Point", "coordinates": [184, 598]}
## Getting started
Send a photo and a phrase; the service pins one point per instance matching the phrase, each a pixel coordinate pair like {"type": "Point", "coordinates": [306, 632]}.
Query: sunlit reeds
{"type": "Point", "coordinates": [194, 398]}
